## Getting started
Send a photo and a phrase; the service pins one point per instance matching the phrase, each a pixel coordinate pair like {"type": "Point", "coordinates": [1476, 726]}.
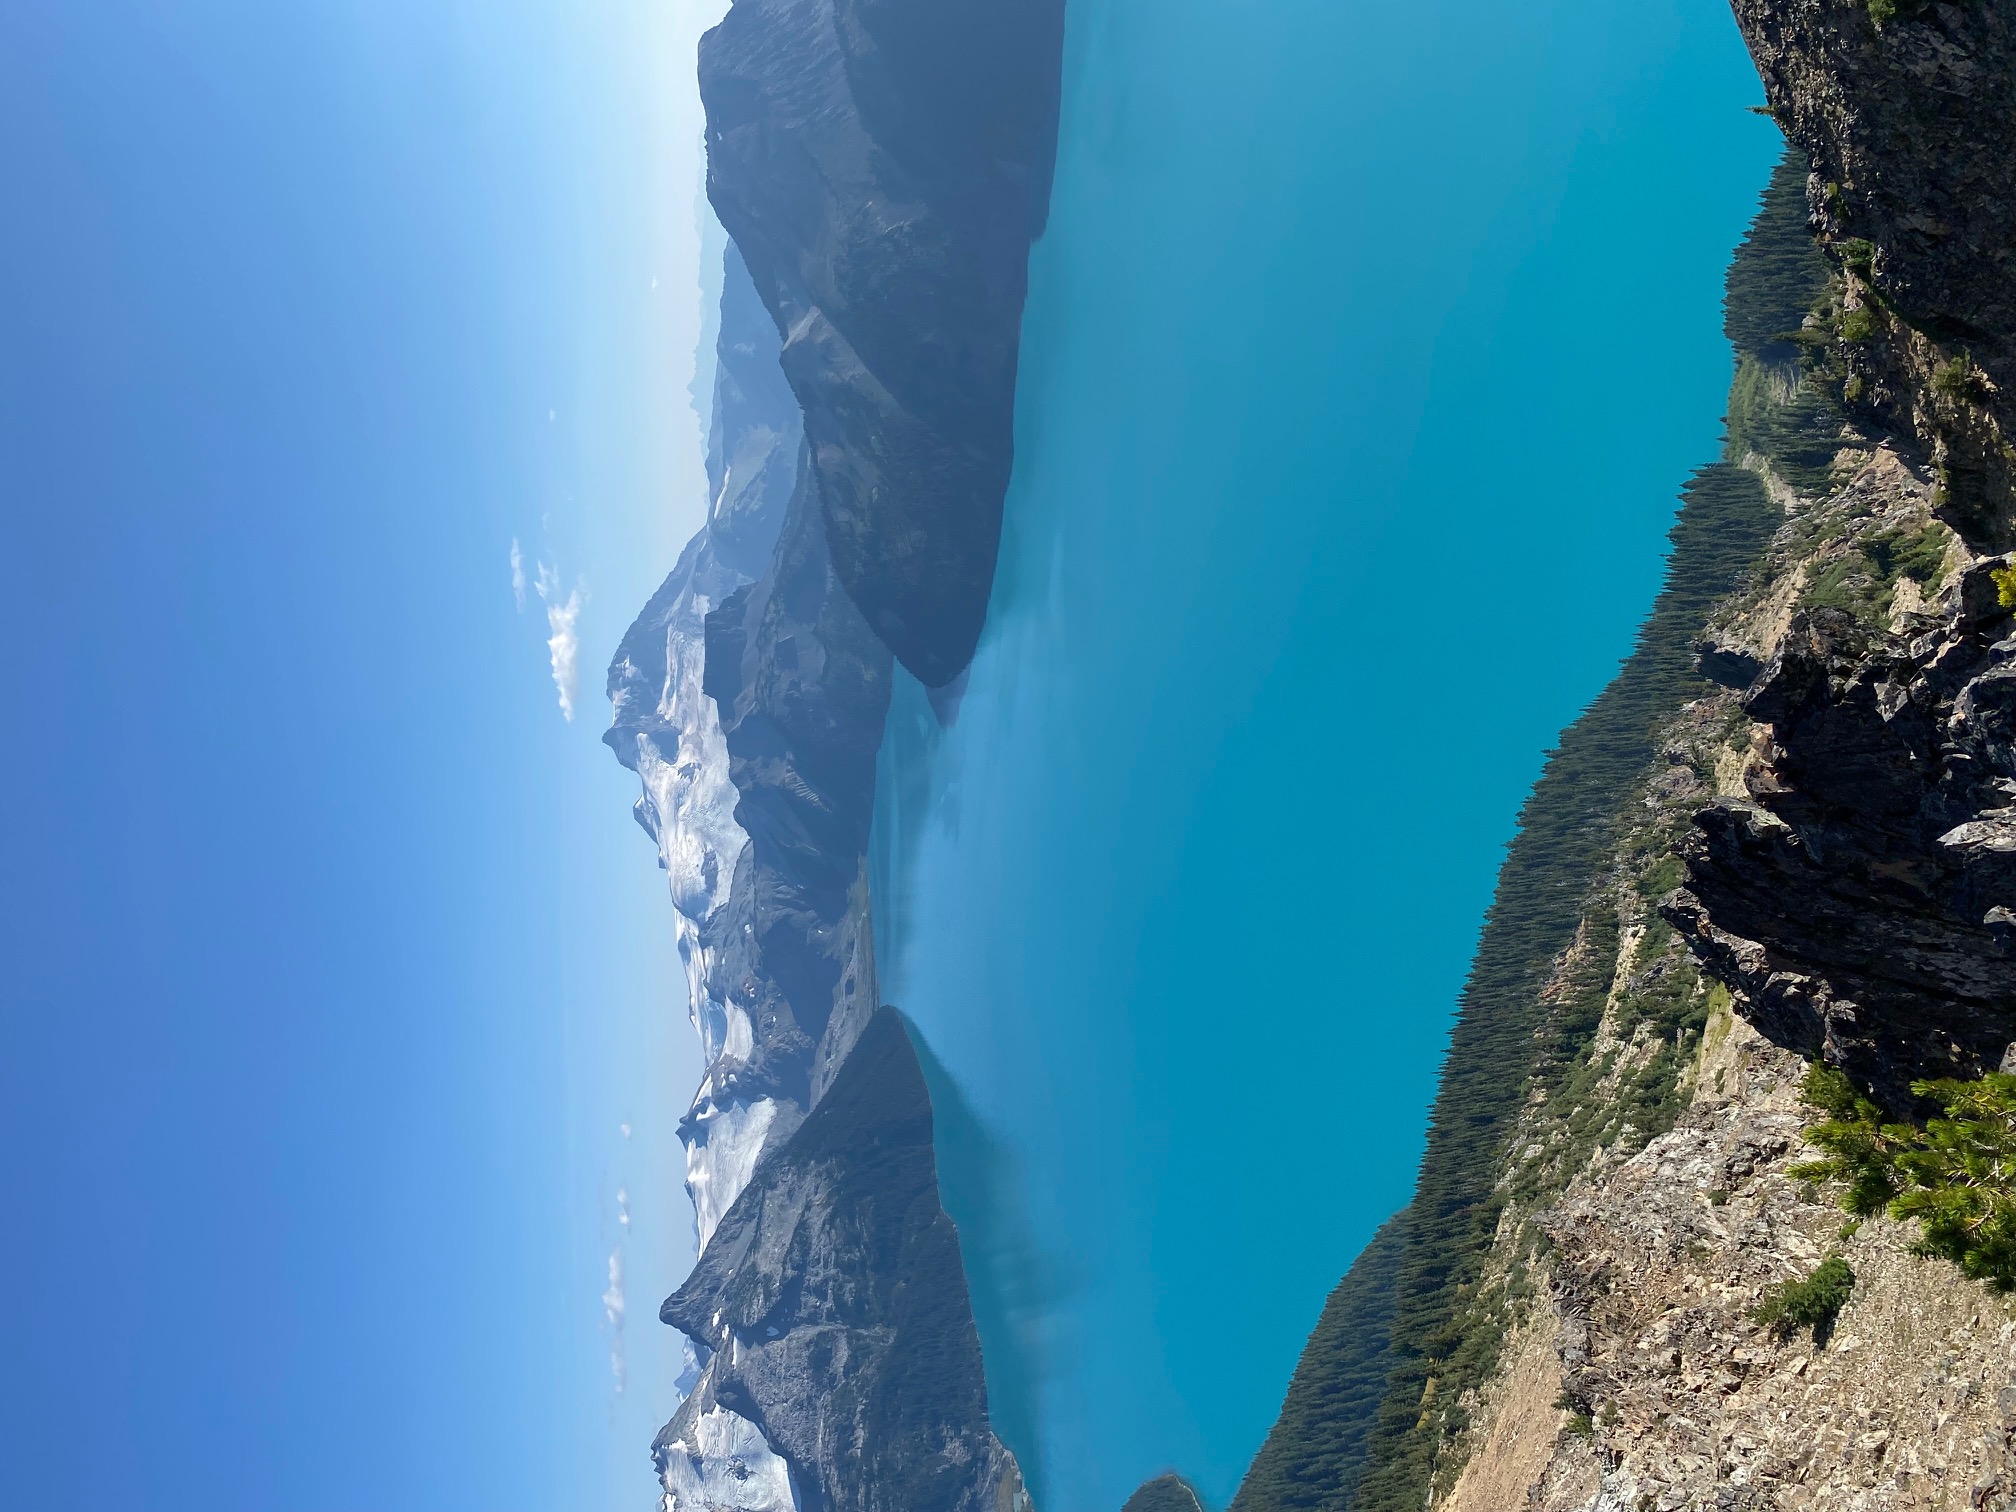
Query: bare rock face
{"type": "Point", "coordinates": [1643, 1379]}
{"type": "Point", "coordinates": [883, 165]}
{"type": "Point", "coordinates": [1861, 892]}
{"type": "Point", "coordinates": [1907, 123]}
{"type": "Point", "coordinates": [802, 686]}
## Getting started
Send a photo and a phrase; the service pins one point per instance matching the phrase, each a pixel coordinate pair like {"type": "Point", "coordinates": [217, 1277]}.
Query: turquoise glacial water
{"type": "Point", "coordinates": [1365, 353]}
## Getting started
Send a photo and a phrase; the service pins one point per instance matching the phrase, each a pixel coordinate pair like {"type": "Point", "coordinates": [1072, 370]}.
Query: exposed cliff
{"type": "Point", "coordinates": [883, 166]}
{"type": "Point", "coordinates": [1860, 889]}
{"type": "Point", "coordinates": [1904, 107]}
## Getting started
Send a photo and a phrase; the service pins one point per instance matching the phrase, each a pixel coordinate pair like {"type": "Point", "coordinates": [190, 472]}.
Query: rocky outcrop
{"type": "Point", "coordinates": [1642, 1377]}
{"type": "Point", "coordinates": [1904, 108]}
{"type": "Point", "coordinates": [1861, 890]}
{"type": "Point", "coordinates": [883, 166]}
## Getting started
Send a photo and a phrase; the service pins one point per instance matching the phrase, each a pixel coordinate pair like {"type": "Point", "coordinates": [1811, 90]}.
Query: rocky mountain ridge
{"type": "Point", "coordinates": [1859, 890]}
{"type": "Point", "coordinates": [1631, 1275]}
{"type": "Point", "coordinates": [664, 728]}
{"type": "Point", "coordinates": [881, 167]}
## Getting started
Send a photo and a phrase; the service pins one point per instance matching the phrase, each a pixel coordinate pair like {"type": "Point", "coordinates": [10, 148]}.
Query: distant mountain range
{"type": "Point", "coordinates": [1785, 837]}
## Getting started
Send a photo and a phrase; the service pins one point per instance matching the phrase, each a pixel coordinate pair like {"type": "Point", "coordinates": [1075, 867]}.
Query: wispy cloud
{"type": "Point", "coordinates": [517, 575]}
{"type": "Point", "coordinates": [612, 1311]}
{"type": "Point", "coordinates": [564, 644]}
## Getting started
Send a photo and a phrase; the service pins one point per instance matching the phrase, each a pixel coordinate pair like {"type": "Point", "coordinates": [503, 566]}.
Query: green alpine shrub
{"type": "Point", "coordinates": [1956, 1176]}
{"type": "Point", "coordinates": [1810, 1304]}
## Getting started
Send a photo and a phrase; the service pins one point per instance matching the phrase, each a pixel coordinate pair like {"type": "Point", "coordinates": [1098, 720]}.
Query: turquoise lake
{"type": "Point", "coordinates": [1365, 353]}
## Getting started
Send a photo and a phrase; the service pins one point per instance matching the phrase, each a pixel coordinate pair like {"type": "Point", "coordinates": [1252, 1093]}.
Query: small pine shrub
{"type": "Point", "coordinates": [1950, 378]}
{"type": "Point", "coordinates": [1661, 878]}
{"type": "Point", "coordinates": [1960, 1180]}
{"type": "Point", "coordinates": [1956, 1176]}
{"type": "Point", "coordinates": [1917, 554]}
{"type": "Point", "coordinates": [1858, 324]}
{"type": "Point", "coordinates": [1811, 1304]}
{"type": "Point", "coordinates": [1883, 12]}
{"type": "Point", "coordinates": [1861, 1150]}
{"type": "Point", "coordinates": [1864, 582]}
{"type": "Point", "coordinates": [2004, 579]}
{"type": "Point", "coordinates": [1581, 1424]}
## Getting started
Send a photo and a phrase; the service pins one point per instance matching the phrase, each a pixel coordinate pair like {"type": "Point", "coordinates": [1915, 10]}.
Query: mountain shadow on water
{"type": "Point", "coordinates": [1014, 1286]}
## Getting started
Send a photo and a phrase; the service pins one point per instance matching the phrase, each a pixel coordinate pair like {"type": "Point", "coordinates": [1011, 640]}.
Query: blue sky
{"type": "Point", "coordinates": [336, 963]}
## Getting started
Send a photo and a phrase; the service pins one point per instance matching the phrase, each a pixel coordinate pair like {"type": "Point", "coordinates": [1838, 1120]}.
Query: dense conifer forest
{"type": "Point", "coordinates": [1385, 1369]}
